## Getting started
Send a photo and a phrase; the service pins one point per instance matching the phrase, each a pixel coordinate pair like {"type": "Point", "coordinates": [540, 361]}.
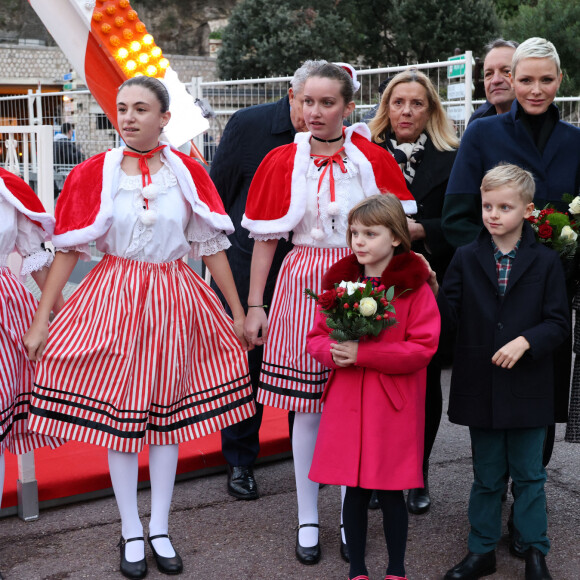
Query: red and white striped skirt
{"type": "Point", "coordinates": [290, 378]}
{"type": "Point", "coordinates": [17, 307]}
{"type": "Point", "coordinates": [141, 354]}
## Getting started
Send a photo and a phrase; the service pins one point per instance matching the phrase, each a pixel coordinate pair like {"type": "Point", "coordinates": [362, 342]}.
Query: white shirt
{"type": "Point", "coordinates": [348, 192]}
{"type": "Point", "coordinates": [165, 232]}
{"type": "Point", "coordinates": [18, 233]}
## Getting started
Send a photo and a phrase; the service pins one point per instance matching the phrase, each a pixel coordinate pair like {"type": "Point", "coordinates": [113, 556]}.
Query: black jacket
{"type": "Point", "coordinates": [248, 137]}
{"type": "Point", "coordinates": [534, 306]}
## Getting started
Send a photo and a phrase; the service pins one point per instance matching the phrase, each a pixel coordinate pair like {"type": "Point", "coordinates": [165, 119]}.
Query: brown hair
{"type": "Point", "coordinates": [152, 84]}
{"type": "Point", "coordinates": [337, 73]}
{"type": "Point", "coordinates": [508, 175]}
{"type": "Point", "coordinates": [438, 127]}
{"type": "Point", "coordinates": [382, 210]}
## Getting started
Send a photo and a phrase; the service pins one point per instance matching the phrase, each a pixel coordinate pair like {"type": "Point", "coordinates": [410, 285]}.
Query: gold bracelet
{"type": "Point", "coordinates": [257, 306]}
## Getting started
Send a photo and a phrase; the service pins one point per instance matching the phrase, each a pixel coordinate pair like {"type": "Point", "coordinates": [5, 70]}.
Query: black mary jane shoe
{"type": "Point", "coordinates": [536, 568]}
{"type": "Point", "coordinates": [132, 570]}
{"type": "Point", "coordinates": [173, 565]}
{"type": "Point", "coordinates": [473, 566]}
{"type": "Point", "coordinates": [310, 555]}
{"type": "Point", "coordinates": [343, 547]}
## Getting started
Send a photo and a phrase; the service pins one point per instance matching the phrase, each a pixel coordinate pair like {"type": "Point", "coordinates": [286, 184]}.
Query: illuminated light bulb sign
{"type": "Point", "coordinates": [107, 43]}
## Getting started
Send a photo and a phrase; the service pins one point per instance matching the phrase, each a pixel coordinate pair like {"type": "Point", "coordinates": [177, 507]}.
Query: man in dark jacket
{"type": "Point", "coordinates": [497, 66]}
{"type": "Point", "coordinates": [248, 137]}
{"type": "Point", "coordinates": [66, 151]}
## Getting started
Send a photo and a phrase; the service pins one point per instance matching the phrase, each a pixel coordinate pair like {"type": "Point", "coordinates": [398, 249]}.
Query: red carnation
{"type": "Point", "coordinates": [549, 211]}
{"type": "Point", "coordinates": [327, 300]}
{"type": "Point", "coordinates": [346, 306]}
{"type": "Point", "coordinates": [545, 231]}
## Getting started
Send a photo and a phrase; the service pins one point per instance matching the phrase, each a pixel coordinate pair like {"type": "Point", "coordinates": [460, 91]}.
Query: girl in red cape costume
{"type": "Point", "coordinates": [24, 226]}
{"type": "Point", "coordinates": [371, 435]}
{"type": "Point", "coordinates": [143, 352]}
{"type": "Point", "coordinates": [307, 188]}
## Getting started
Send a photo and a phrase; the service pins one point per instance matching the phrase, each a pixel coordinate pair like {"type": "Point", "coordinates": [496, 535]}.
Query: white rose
{"type": "Point", "coordinates": [351, 288]}
{"type": "Point", "coordinates": [367, 306]}
{"type": "Point", "coordinates": [574, 206]}
{"type": "Point", "coordinates": [568, 233]}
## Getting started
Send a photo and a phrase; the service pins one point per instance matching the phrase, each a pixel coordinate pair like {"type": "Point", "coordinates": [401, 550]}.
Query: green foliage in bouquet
{"type": "Point", "coordinates": [354, 309]}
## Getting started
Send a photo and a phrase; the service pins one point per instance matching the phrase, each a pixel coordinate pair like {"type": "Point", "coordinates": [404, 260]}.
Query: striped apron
{"type": "Point", "coordinates": [141, 354]}
{"type": "Point", "coordinates": [291, 379]}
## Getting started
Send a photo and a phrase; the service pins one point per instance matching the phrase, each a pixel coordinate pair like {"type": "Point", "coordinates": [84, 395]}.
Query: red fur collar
{"type": "Point", "coordinates": [405, 271]}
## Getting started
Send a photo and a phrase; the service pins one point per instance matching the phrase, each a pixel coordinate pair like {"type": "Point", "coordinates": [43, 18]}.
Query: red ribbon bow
{"type": "Point", "coordinates": [326, 161]}
{"type": "Point", "coordinates": [143, 165]}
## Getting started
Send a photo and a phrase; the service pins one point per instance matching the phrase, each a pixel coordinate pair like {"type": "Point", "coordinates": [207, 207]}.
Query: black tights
{"type": "Point", "coordinates": [395, 522]}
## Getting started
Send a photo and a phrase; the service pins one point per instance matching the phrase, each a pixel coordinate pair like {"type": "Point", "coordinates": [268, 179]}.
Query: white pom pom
{"type": "Point", "coordinates": [150, 191]}
{"type": "Point", "coordinates": [148, 217]}
{"type": "Point", "coordinates": [317, 234]}
{"type": "Point", "coordinates": [334, 208]}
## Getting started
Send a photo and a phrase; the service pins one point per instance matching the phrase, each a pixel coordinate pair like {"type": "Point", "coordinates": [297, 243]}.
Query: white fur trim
{"type": "Point", "coordinates": [45, 219]}
{"type": "Point", "coordinates": [185, 180]}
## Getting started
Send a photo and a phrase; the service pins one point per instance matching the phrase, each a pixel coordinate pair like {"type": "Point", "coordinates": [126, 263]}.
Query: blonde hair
{"type": "Point", "coordinates": [507, 175]}
{"type": "Point", "coordinates": [382, 210]}
{"type": "Point", "coordinates": [438, 127]}
{"type": "Point", "coordinates": [535, 47]}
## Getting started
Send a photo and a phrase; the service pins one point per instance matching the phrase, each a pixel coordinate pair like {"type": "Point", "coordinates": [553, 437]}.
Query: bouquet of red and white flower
{"type": "Point", "coordinates": [558, 230]}
{"type": "Point", "coordinates": [355, 309]}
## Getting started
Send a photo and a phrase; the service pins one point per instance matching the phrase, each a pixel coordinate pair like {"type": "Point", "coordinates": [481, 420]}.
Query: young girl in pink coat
{"type": "Point", "coordinates": [371, 432]}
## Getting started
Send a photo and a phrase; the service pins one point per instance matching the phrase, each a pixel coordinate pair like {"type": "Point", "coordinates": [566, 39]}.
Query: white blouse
{"type": "Point", "coordinates": [18, 233]}
{"type": "Point", "coordinates": [329, 230]}
{"type": "Point", "coordinates": [166, 231]}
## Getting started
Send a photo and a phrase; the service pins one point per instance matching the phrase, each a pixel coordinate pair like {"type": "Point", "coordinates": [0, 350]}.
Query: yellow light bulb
{"type": "Point", "coordinates": [123, 53]}
{"type": "Point", "coordinates": [135, 46]}
{"type": "Point", "coordinates": [151, 70]}
{"type": "Point", "coordinates": [155, 51]}
{"type": "Point", "coordinates": [163, 63]}
{"type": "Point", "coordinates": [143, 58]}
{"type": "Point", "coordinates": [131, 65]}
{"type": "Point", "coordinates": [147, 39]}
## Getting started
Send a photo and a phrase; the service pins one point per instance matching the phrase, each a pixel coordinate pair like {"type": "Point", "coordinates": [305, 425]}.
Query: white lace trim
{"type": "Point", "coordinates": [210, 247]}
{"type": "Point", "coordinates": [35, 262]}
{"type": "Point", "coordinates": [83, 250]}
{"type": "Point", "coordinates": [268, 237]}
{"type": "Point", "coordinates": [143, 230]}
{"type": "Point", "coordinates": [336, 223]}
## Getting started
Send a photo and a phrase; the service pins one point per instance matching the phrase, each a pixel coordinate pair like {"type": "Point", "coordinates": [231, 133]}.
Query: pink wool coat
{"type": "Point", "coordinates": [373, 421]}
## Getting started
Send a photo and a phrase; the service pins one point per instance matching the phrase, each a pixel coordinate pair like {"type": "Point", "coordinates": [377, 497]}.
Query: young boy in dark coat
{"type": "Point", "coordinates": [505, 296]}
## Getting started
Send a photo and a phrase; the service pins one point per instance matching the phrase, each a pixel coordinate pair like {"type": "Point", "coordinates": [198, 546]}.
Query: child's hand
{"type": "Point", "coordinates": [35, 340]}
{"type": "Point", "coordinates": [344, 353]}
{"type": "Point", "coordinates": [509, 354]}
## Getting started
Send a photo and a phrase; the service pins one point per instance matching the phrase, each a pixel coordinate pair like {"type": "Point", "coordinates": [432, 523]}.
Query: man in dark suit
{"type": "Point", "coordinates": [497, 66]}
{"type": "Point", "coordinates": [248, 137]}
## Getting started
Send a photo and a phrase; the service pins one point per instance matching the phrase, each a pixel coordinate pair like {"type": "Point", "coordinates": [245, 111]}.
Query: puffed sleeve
{"type": "Point", "coordinates": [29, 240]}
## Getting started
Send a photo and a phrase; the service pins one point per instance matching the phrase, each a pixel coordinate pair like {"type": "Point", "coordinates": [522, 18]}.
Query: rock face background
{"type": "Point", "coordinates": [179, 26]}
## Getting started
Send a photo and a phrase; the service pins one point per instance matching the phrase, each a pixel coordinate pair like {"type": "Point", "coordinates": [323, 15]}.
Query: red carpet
{"type": "Point", "coordinates": [79, 468]}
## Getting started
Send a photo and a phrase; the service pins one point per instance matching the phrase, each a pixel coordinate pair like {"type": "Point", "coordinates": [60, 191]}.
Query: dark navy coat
{"type": "Point", "coordinates": [535, 306]}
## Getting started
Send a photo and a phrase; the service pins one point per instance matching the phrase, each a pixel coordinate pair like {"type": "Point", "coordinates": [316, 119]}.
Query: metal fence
{"type": "Point", "coordinates": [94, 133]}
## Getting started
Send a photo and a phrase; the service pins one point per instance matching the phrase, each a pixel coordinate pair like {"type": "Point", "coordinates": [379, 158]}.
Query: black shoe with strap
{"type": "Point", "coordinates": [132, 570]}
{"type": "Point", "coordinates": [173, 565]}
{"type": "Point", "coordinates": [310, 555]}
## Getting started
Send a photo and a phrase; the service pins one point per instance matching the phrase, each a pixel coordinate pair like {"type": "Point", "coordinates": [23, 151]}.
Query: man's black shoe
{"type": "Point", "coordinates": [241, 482]}
{"type": "Point", "coordinates": [473, 566]}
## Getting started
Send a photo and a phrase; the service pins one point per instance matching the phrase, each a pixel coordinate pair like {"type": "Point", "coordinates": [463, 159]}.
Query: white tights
{"type": "Point", "coordinates": [303, 441]}
{"type": "Point", "coordinates": [124, 468]}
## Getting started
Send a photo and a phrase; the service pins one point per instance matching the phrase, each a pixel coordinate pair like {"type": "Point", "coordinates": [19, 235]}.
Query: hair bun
{"type": "Point", "coordinates": [351, 72]}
